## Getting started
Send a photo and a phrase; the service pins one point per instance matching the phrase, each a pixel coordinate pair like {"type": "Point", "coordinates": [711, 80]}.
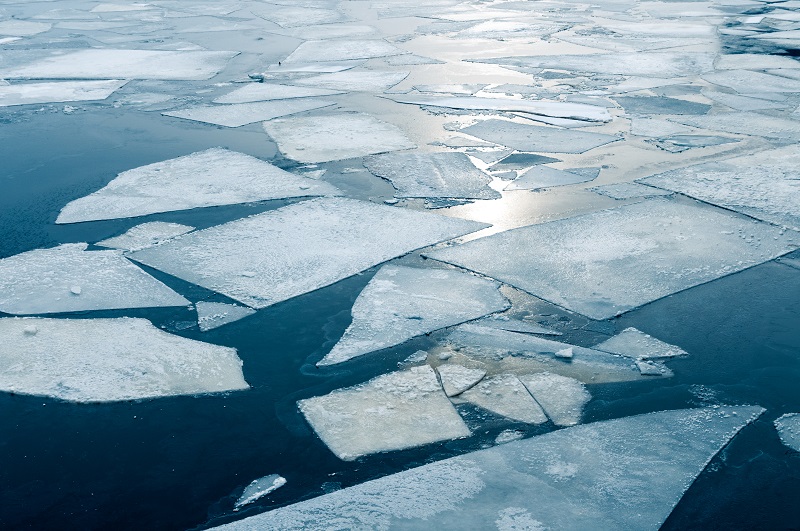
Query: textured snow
{"type": "Point", "coordinates": [342, 50]}
{"type": "Point", "coordinates": [68, 278]}
{"type": "Point", "coordinates": [212, 315]}
{"type": "Point", "coordinates": [399, 410]}
{"type": "Point", "coordinates": [574, 478]}
{"type": "Point", "coordinates": [207, 178]}
{"type": "Point", "coordinates": [449, 174]}
{"type": "Point", "coordinates": [456, 378]}
{"type": "Point", "coordinates": [277, 255]}
{"type": "Point", "coordinates": [788, 427]}
{"type": "Point", "coordinates": [259, 488]}
{"type": "Point", "coordinates": [404, 302]}
{"type": "Point", "coordinates": [271, 91]}
{"type": "Point", "coordinates": [524, 137]}
{"type": "Point", "coordinates": [505, 395]}
{"type": "Point", "coordinates": [608, 262]}
{"type": "Point", "coordinates": [648, 64]}
{"type": "Point", "coordinates": [636, 344]}
{"type": "Point", "coordinates": [355, 81]}
{"type": "Point", "coordinates": [628, 190]}
{"type": "Point", "coordinates": [546, 177]}
{"type": "Point", "coordinates": [239, 114]}
{"type": "Point", "coordinates": [30, 93]}
{"type": "Point", "coordinates": [561, 398]}
{"type": "Point", "coordinates": [314, 139]}
{"type": "Point", "coordinates": [103, 360]}
{"type": "Point", "coordinates": [145, 235]}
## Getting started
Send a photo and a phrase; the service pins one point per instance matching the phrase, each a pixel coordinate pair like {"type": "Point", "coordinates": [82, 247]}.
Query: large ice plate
{"type": "Point", "coordinates": [30, 93]}
{"type": "Point", "coordinates": [525, 137]}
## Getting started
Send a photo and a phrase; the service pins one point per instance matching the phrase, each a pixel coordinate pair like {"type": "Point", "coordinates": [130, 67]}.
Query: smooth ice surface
{"type": "Point", "coordinates": [239, 114]}
{"type": "Point", "coordinates": [561, 398]}
{"type": "Point", "coordinates": [449, 174]}
{"type": "Point", "coordinates": [399, 410]}
{"type": "Point", "coordinates": [104, 360]}
{"type": "Point", "coordinates": [680, 143]}
{"type": "Point", "coordinates": [404, 302]}
{"type": "Point", "coordinates": [628, 190]}
{"type": "Point", "coordinates": [68, 278]}
{"type": "Point", "coordinates": [342, 50]}
{"type": "Point", "coordinates": [505, 395]}
{"type": "Point", "coordinates": [456, 378]}
{"type": "Point", "coordinates": [122, 64]}
{"type": "Point", "coordinates": [594, 476]}
{"type": "Point", "coordinates": [259, 488]}
{"type": "Point", "coordinates": [636, 344]}
{"type": "Point", "coordinates": [608, 262]}
{"type": "Point", "coordinates": [749, 123]}
{"type": "Point", "coordinates": [272, 91]}
{"type": "Point", "coordinates": [212, 315]}
{"type": "Point", "coordinates": [145, 235]}
{"type": "Point", "coordinates": [788, 427]}
{"type": "Point", "coordinates": [277, 255]}
{"type": "Point", "coordinates": [764, 185]}
{"type": "Point", "coordinates": [523, 137]}
{"type": "Point", "coordinates": [355, 81]}
{"type": "Point", "coordinates": [312, 139]}
{"type": "Point", "coordinates": [30, 93]}
{"type": "Point", "coordinates": [649, 64]}
{"type": "Point", "coordinates": [545, 177]}
{"type": "Point", "coordinates": [655, 127]}
{"type": "Point", "coordinates": [212, 177]}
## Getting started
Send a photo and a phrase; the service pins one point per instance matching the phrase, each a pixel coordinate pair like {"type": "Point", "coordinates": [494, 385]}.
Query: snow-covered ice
{"type": "Point", "coordinates": [539, 177]}
{"type": "Point", "coordinates": [505, 395]}
{"type": "Point", "coordinates": [212, 315]}
{"type": "Point", "coordinates": [636, 344]}
{"type": "Point", "coordinates": [31, 93]}
{"type": "Point", "coordinates": [239, 114]}
{"type": "Point", "coordinates": [561, 398]}
{"type": "Point", "coordinates": [259, 488]}
{"type": "Point", "coordinates": [145, 235]}
{"type": "Point", "coordinates": [355, 81]}
{"type": "Point", "coordinates": [456, 378]}
{"type": "Point", "coordinates": [788, 427]}
{"type": "Point", "coordinates": [525, 137]}
{"type": "Point", "coordinates": [342, 50]}
{"type": "Point", "coordinates": [272, 91]}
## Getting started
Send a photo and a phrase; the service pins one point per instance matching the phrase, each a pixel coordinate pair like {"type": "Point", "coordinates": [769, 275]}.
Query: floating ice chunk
{"type": "Point", "coordinates": [743, 103]}
{"type": "Point", "coordinates": [628, 190]}
{"type": "Point", "coordinates": [565, 353]}
{"type": "Point", "coordinates": [361, 81]}
{"type": "Point", "coordinates": [145, 235]}
{"type": "Point", "coordinates": [660, 105]}
{"type": "Point", "coordinates": [521, 161]}
{"type": "Point", "coordinates": [277, 255]}
{"type": "Point", "coordinates": [314, 68]}
{"type": "Point", "coordinates": [605, 263]}
{"type": "Point", "coordinates": [104, 360]}
{"type": "Point", "coordinates": [561, 398]}
{"type": "Point", "coordinates": [506, 436]}
{"type": "Point", "coordinates": [288, 16]}
{"type": "Point", "coordinates": [240, 114]}
{"type": "Point", "coordinates": [207, 178]}
{"type": "Point", "coordinates": [502, 322]}
{"type": "Point", "coordinates": [45, 281]}
{"type": "Point", "coordinates": [342, 50]}
{"type": "Point", "coordinates": [270, 91]}
{"type": "Point", "coordinates": [456, 378]}
{"type": "Point", "coordinates": [763, 185]}
{"type": "Point", "coordinates": [651, 368]}
{"type": "Point", "coordinates": [259, 488]}
{"type": "Point", "coordinates": [404, 302]}
{"type": "Point", "coordinates": [30, 93]}
{"type": "Point", "coordinates": [790, 261]}
{"type": "Point", "coordinates": [540, 177]}
{"type": "Point", "coordinates": [121, 64]}
{"type": "Point", "coordinates": [212, 315]}
{"type": "Point", "coordinates": [656, 64]}
{"type": "Point", "coordinates": [636, 344]}
{"type": "Point", "coordinates": [22, 28]}
{"type": "Point", "coordinates": [391, 412]}
{"type": "Point", "coordinates": [505, 395]}
{"type": "Point", "coordinates": [680, 143]}
{"type": "Point", "coordinates": [417, 358]}
{"type": "Point", "coordinates": [449, 174]}
{"type": "Point", "coordinates": [747, 123]}
{"type": "Point", "coordinates": [335, 137]}
{"type": "Point", "coordinates": [575, 478]}
{"type": "Point", "coordinates": [465, 89]}
{"type": "Point", "coordinates": [745, 81]}
{"type": "Point", "coordinates": [536, 138]}
{"type": "Point", "coordinates": [788, 427]}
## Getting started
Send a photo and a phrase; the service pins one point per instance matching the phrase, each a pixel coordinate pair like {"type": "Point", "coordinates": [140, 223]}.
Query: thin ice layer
{"type": "Point", "coordinates": [342, 50]}
{"type": "Point", "coordinates": [636, 344]}
{"type": "Point", "coordinates": [259, 488]}
{"type": "Point", "coordinates": [505, 395]}
{"type": "Point", "coordinates": [561, 398]}
{"type": "Point", "coordinates": [355, 81]}
{"type": "Point", "coordinates": [391, 412]}
{"type": "Point", "coordinates": [105, 360]}
{"type": "Point", "coordinates": [145, 235]}
{"type": "Point", "coordinates": [239, 114]}
{"type": "Point", "coordinates": [212, 315]}
{"type": "Point", "coordinates": [272, 91]}
{"type": "Point", "coordinates": [525, 137]}
{"type": "Point", "coordinates": [277, 255]}
{"type": "Point", "coordinates": [207, 178]}
{"type": "Point", "coordinates": [747, 81]}
{"type": "Point", "coordinates": [449, 174]}
{"type": "Point", "coordinates": [31, 93]}
{"type": "Point", "coordinates": [313, 139]}
{"type": "Point", "coordinates": [609, 262]}
{"type": "Point", "coordinates": [575, 478]}
{"type": "Point", "coordinates": [539, 177]}
{"type": "Point", "coordinates": [68, 278]}
{"type": "Point", "coordinates": [788, 427]}
{"type": "Point", "coordinates": [456, 378]}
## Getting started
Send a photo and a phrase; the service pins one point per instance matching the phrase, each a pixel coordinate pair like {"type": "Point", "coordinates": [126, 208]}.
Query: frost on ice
{"type": "Point", "coordinates": [239, 114]}
{"type": "Point", "coordinates": [456, 378]}
{"type": "Point", "coordinates": [561, 398]}
{"type": "Point", "coordinates": [404, 302]}
{"type": "Point", "coordinates": [30, 93]}
{"type": "Point", "coordinates": [68, 278]}
{"type": "Point", "coordinates": [788, 427]}
{"type": "Point", "coordinates": [206, 178]}
{"type": "Point", "coordinates": [277, 255]}
{"type": "Point", "coordinates": [539, 177]}
{"type": "Point", "coordinates": [608, 262]}
{"type": "Point", "coordinates": [104, 360]}
{"type": "Point", "coordinates": [525, 137]}
{"type": "Point", "coordinates": [145, 235]}
{"type": "Point", "coordinates": [259, 488]}
{"type": "Point", "coordinates": [398, 410]}
{"type": "Point", "coordinates": [212, 315]}
{"type": "Point", "coordinates": [505, 395]}
{"type": "Point", "coordinates": [575, 478]}
{"type": "Point", "coordinates": [636, 344]}
{"type": "Point", "coordinates": [271, 91]}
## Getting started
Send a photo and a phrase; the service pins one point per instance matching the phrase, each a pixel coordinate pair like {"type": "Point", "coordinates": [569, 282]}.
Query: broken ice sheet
{"type": "Point", "coordinates": [466, 89]}
{"type": "Point", "coordinates": [103, 360]}
{"type": "Point", "coordinates": [763, 185]}
{"type": "Point", "coordinates": [524, 137]}
{"type": "Point", "coordinates": [681, 143]}
{"type": "Point", "coordinates": [30, 93]}
{"type": "Point", "coordinates": [399, 410]}
{"type": "Point", "coordinates": [628, 190]}
{"type": "Point", "coordinates": [521, 161]}
{"type": "Point", "coordinates": [22, 28]}
{"type": "Point", "coordinates": [654, 127]}
{"type": "Point", "coordinates": [240, 114]}
{"type": "Point", "coordinates": [502, 322]}
{"type": "Point", "coordinates": [277, 255]}
{"type": "Point", "coordinates": [449, 174]}
{"type": "Point", "coordinates": [456, 378]}
{"type": "Point", "coordinates": [656, 64]}
{"type": "Point", "coordinates": [342, 50]}
{"type": "Point", "coordinates": [540, 177]}
{"type": "Point", "coordinates": [312, 139]}
{"type": "Point", "coordinates": [355, 81]}
{"type": "Point", "coordinates": [68, 278]}
{"type": "Point", "coordinates": [746, 81]}
{"type": "Point", "coordinates": [575, 478]}
{"type": "Point", "coordinates": [212, 177]}
{"type": "Point", "coordinates": [743, 103]}
{"type": "Point", "coordinates": [271, 91]}
{"type": "Point", "coordinates": [561, 398]}
{"type": "Point", "coordinates": [313, 68]}
{"type": "Point", "coordinates": [660, 105]}
{"type": "Point", "coordinates": [288, 16]}
{"type": "Point", "coordinates": [788, 427]}
{"type": "Point", "coordinates": [404, 302]}
{"type": "Point", "coordinates": [505, 395]}
{"type": "Point", "coordinates": [212, 315]}
{"type": "Point", "coordinates": [259, 488]}
{"type": "Point", "coordinates": [746, 123]}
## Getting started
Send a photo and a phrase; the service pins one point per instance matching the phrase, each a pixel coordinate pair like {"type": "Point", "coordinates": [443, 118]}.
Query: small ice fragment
{"type": "Point", "coordinates": [565, 353]}
{"type": "Point", "coordinates": [788, 427]}
{"type": "Point", "coordinates": [239, 114]}
{"type": "Point", "coordinates": [524, 137]}
{"type": "Point", "coordinates": [513, 325]}
{"type": "Point", "coordinates": [75, 290]}
{"type": "Point", "coordinates": [506, 436]}
{"type": "Point", "coordinates": [636, 344]}
{"type": "Point", "coordinates": [505, 395]}
{"type": "Point", "coordinates": [30, 330]}
{"type": "Point", "coordinates": [258, 489]}
{"type": "Point", "coordinates": [561, 398]}
{"type": "Point", "coordinates": [212, 315]}
{"type": "Point", "coordinates": [521, 161]}
{"type": "Point", "coordinates": [145, 235]}
{"type": "Point", "coordinates": [417, 358]}
{"type": "Point", "coordinates": [456, 379]}
{"type": "Point", "coordinates": [650, 368]}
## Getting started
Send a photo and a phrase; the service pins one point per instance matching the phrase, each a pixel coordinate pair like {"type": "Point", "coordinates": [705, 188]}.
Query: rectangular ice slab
{"type": "Point", "coordinates": [30, 93]}
{"type": "Point", "coordinates": [145, 235]}
{"type": "Point", "coordinates": [271, 91]}
{"type": "Point", "coordinates": [70, 279]}
{"type": "Point", "coordinates": [277, 255]}
{"type": "Point", "coordinates": [523, 137]}
{"type": "Point", "coordinates": [342, 50]}
{"type": "Point", "coordinates": [391, 412]}
{"type": "Point", "coordinates": [104, 360]}
{"type": "Point", "coordinates": [240, 114]}
{"type": "Point", "coordinates": [207, 178]}
{"type": "Point", "coordinates": [747, 123]}
{"type": "Point", "coordinates": [121, 64]}
{"type": "Point", "coordinates": [606, 263]}
{"type": "Point", "coordinates": [620, 474]}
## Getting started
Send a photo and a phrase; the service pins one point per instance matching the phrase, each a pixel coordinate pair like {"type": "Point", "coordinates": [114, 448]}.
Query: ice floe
{"type": "Point", "coordinates": [680, 143]}
{"type": "Point", "coordinates": [104, 360]}
{"type": "Point", "coordinates": [539, 177]}
{"type": "Point", "coordinates": [313, 68]}
{"type": "Point", "coordinates": [503, 322]}
{"type": "Point", "coordinates": [207, 178]}
{"type": "Point", "coordinates": [743, 103]}
{"type": "Point", "coordinates": [272, 91]}
{"type": "Point", "coordinates": [30, 93]}
{"type": "Point", "coordinates": [505, 395]}
{"type": "Point", "coordinates": [259, 488]}
{"type": "Point", "coordinates": [400, 303]}
{"type": "Point", "coordinates": [145, 235]}
{"type": "Point", "coordinates": [212, 315]}
{"type": "Point", "coordinates": [524, 137]}
{"type": "Point", "coordinates": [466, 89]}
{"type": "Point", "coordinates": [745, 81]}
{"type": "Point", "coordinates": [628, 190]}
{"type": "Point", "coordinates": [636, 344]}
{"type": "Point", "coordinates": [650, 64]}
{"type": "Point", "coordinates": [355, 81]}
{"type": "Point", "coordinates": [342, 50]}
{"type": "Point", "coordinates": [399, 410]}
{"type": "Point", "coordinates": [456, 378]}
{"type": "Point", "coordinates": [239, 114]}
{"type": "Point", "coordinates": [561, 398]}
{"type": "Point", "coordinates": [788, 427]}
{"type": "Point", "coordinates": [521, 161]}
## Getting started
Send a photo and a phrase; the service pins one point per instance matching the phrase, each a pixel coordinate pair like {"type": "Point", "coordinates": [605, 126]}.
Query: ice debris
{"type": "Point", "coordinates": [31, 93]}
{"type": "Point", "coordinates": [212, 315]}
{"type": "Point", "coordinates": [525, 137]}
{"type": "Point", "coordinates": [788, 427]}
{"type": "Point", "coordinates": [561, 398]}
{"type": "Point", "coordinates": [636, 344]}
{"type": "Point", "coordinates": [239, 114]}
{"type": "Point", "coordinates": [259, 488]}
{"type": "Point", "coordinates": [145, 235]}
{"type": "Point", "coordinates": [456, 378]}
{"type": "Point", "coordinates": [272, 91]}
{"type": "Point", "coordinates": [505, 395]}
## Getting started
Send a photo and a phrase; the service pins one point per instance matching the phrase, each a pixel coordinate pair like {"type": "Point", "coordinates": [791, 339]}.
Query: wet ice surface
{"type": "Point", "coordinates": [145, 235]}
{"type": "Point", "coordinates": [31, 93]}
{"type": "Point", "coordinates": [239, 114]}
{"type": "Point", "coordinates": [788, 427]}
{"type": "Point", "coordinates": [357, 81]}
{"type": "Point", "coordinates": [258, 489]}
{"type": "Point", "coordinates": [342, 50]}
{"type": "Point", "coordinates": [628, 190]}
{"type": "Point", "coordinates": [457, 379]}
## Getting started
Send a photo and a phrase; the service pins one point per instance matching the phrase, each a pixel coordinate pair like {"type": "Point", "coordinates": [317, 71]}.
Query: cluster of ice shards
{"type": "Point", "coordinates": [505, 395]}
{"type": "Point", "coordinates": [212, 315]}
{"type": "Point", "coordinates": [660, 105]}
{"type": "Point", "coordinates": [104, 360]}
{"type": "Point", "coordinates": [356, 81]}
{"type": "Point", "coordinates": [575, 478]}
{"type": "Point", "coordinates": [145, 235]}
{"type": "Point", "coordinates": [239, 114]}
{"type": "Point", "coordinates": [312, 139]}
{"type": "Point", "coordinates": [272, 91]}
{"type": "Point", "coordinates": [400, 303]}
{"type": "Point", "coordinates": [763, 185]}
{"type": "Point", "coordinates": [259, 488]}
{"type": "Point", "coordinates": [391, 412]}
{"type": "Point", "coordinates": [561, 398]}
{"type": "Point", "coordinates": [788, 427]}
{"type": "Point", "coordinates": [342, 50]}
{"type": "Point", "coordinates": [608, 262]}
{"type": "Point", "coordinates": [449, 174]}
{"type": "Point", "coordinates": [636, 344]}
{"type": "Point", "coordinates": [539, 177]}
{"type": "Point", "coordinates": [207, 178]}
{"type": "Point", "coordinates": [628, 190]}
{"type": "Point", "coordinates": [30, 93]}
{"type": "Point", "coordinates": [523, 137]}
{"type": "Point", "coordinates": [277, 255]}
{"type": "Point", "coordinates": [68, 278]}
{"type": "Point", "coordinates": [119, 64]}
